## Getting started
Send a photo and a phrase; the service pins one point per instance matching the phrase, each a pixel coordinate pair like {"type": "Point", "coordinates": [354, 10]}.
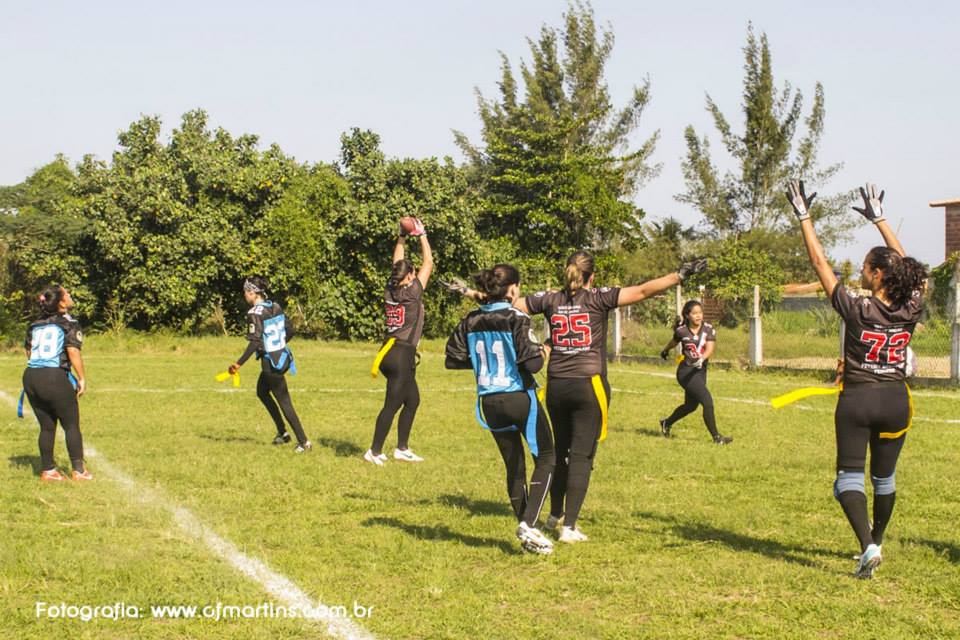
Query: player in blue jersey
{"type": "Point", "coordinates": [268, 331]}
{"type": "Point", "coordinates": [53, 348]}
{"type": "Point", "coordinates": [497, 343]}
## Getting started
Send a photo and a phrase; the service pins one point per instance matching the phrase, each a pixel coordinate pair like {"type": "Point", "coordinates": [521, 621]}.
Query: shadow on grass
{"type": "Point", "coordinates": [653, 433]}
{"type": "Point", "coordinates": [341, 448]}
{"type": "Point", "coordinates": [695, 531]}
{"type": "Point", "coordinates": [207, 436]}
{"type": "Point", "coordinates": [26, 461]}
{"type": "Point", "coordinates": [476, 507]}
{"type": "Point", "coordinates": [949, 550]}
{"type": "Point", "coordinates": [442, 534]}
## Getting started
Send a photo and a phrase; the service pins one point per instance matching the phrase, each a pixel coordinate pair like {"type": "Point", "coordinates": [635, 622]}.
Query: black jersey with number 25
{"type": "Point", "coordinates": [578, 329]}
{"type": "Point", "coordinates": [876, 336]}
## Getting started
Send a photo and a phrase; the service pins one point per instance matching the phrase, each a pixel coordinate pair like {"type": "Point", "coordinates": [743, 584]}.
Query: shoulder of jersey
{"type": "Point", "coordinates": [601, 289]}
{"type": "Point", "coordinates": [256, 310]}
{"type": "Point", "coordinates": [707, 325]}
{"type": "Point", "coordinates": [540, 294]}
{"type": "Point", "coordinates": [518, 312]}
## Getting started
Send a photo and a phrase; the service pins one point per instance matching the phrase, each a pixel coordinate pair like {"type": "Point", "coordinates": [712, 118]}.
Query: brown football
{"type": "Point", "coordinates": [408, 224]}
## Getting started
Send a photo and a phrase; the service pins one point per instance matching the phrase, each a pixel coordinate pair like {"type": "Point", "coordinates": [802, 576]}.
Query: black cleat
{"type": "Point", "coordinates": [282, 438]}
{"type": "Point", "coordinates": [664, 428]}
{"type": "Point", "coordinates": [719, 439]}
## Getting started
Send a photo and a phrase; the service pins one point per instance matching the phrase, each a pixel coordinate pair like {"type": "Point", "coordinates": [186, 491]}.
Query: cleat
{"type": "Point", "coordinates": [554, 521]}
{"type": "Point", "coordinates": [572, 535]}
{"type": "Point", "coordinates": [870, 559]}
{"type": "Point", "coordinates": [282, 438]}
{"type": "Point", "coordinates": [406, 455]}
{"type": "Point", "coordinates": [51, 475]}
{"type": "Point", "coordinates": [719, 439]}
{"type": "Point", "coordinates": [302, 448]}
{"type": "Point", "coordinates": [378, 460]}
{"type": "Point", "coordinates": [664, 428]}
{"type": "Point", "coordinates": [532, 540]}
{"type": "Point", "coordinates": [82, 476]}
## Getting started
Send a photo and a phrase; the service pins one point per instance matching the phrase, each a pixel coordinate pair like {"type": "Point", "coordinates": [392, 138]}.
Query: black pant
{"type": "Point", "coordinates": [399, 367]}
{"type": "Point", "coordinates": [272, 390]}
{"type": "Point", "coordinates": [512, 409]}
{"type": "Point", "coordinates": [875, 417]}
{"type": "Point", "coordinates": [695, 393]}
{"type": "Point", "coordinates": [54, 399]}
{"type": "Point", "coordinates": [575, 414]}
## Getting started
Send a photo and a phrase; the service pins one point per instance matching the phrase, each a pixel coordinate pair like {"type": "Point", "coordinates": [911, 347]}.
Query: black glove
{"type": "Point", "coordinates": [456, 285]}
{"type": "Point", "coordinates": [665, 354]}
{"type": "Point", "coordinates": [872, 204]}
{"type": "Point", "coordinates": [798, 199]}
{"type": "Point", "coordinates": [687, 269]}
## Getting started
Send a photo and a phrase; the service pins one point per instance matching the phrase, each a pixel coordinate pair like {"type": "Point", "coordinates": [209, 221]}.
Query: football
{"type": "Point", "coordinates": [410, 225]}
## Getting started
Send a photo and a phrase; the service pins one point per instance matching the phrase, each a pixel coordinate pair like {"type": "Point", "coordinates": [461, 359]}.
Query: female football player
{"type": "Point", "coordinates": [497, 343]}
{"type": "Point", "coordinates": [578, 394]}
{"type": "Point", "coordinates": [875, 409]}
{"type": "Point", "coordinates": [268, 332]}
{"type": "Point", "coordinates": [53, 348]}
{"type": "Point", "coordinates": [698, 339]}
{"type": "Point", "coordinates": [397, 358]}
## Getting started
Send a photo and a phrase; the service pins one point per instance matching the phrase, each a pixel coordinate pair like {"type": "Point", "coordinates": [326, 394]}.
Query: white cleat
{"type": "Point", "coordinates": [406, 455]}
{"type": "Point", "coordinates": [870, 559]}
{"type": "Point", "coordinates": [553, 522]}
{"type": "Point", "coordinates": [532, 540]}
{"type": "Point", "coordinates": [378, 460]}
{"type": "Point", "coordinates": [572, 535]}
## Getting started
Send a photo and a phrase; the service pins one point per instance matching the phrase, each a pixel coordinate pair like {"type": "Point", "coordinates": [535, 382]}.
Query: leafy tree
{"type": "Point", "coordinates": [556, 171]}
{"type": "Point", "coordinates": [750, 201]}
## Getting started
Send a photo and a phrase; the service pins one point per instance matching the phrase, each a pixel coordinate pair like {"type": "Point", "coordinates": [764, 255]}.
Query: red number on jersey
{"type": "Point", "coordinates": [878, 340]}
{"type": "Point", "coordinates": [395, 316]}
{"type": "Point", "coordinates": [898, 342]}
{"type": "Point", "coordinates": [570, 331]}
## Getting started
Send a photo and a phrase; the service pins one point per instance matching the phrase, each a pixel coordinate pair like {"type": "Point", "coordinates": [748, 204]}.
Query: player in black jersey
{"type": "Point", "coordinates": [268, 332]}
{"type": "Point", "coordinates": [397, 358]}
{"type": "Point", "coordinates": [697, 339]}
{"type": "Point", "coordinates": [497, 343]}
{"type": "Point", "coordinates": [578, 394]}
{"type": "Point", "coordinates": [875, 409]}
{"type": "Point", "coordinates": [53, 348]}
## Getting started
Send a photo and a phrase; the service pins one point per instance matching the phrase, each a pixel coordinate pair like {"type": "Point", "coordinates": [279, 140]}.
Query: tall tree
{"type": "Point", "coordinates": [556, 169]}
{"type": "Point", "coordinates": [748, 205]}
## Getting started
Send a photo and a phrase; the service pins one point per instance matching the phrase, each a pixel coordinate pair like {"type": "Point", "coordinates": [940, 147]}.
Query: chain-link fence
{"type": "Point", "coordinates": [802, 332]}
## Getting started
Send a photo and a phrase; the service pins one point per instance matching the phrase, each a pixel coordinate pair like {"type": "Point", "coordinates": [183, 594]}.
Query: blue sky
{"type": "Point", "coordinates": [301, 73]}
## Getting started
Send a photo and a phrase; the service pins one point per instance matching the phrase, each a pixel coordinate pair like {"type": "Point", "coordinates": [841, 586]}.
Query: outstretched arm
{"type": "Point", "coordinates": [398, 250]}
{"type": "Point", "coordinates": [801, 207]}
{"type": "Point", "coordinates": [872, 210]}
{"type": "Point", "coordinates": [426, 267]}
{"type": "Point", "coordinates": [638, 292]}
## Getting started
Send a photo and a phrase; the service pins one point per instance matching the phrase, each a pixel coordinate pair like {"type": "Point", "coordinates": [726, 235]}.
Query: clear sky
{"type": "Point", "coordinates": [301, 73]}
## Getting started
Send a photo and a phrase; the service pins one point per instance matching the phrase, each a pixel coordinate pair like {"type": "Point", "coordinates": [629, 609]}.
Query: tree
{"type": "Point", "coordinates": [748, 206]}
{"type": "Point", "coordinates": [556, 171]}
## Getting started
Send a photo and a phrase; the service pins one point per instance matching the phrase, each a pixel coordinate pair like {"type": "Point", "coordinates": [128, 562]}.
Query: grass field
{"type": "Point", "coordinates": [688, 540]}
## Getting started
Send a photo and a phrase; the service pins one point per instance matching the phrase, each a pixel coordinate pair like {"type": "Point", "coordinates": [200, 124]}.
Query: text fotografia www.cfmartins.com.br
{"type": "Point", "coordinates": [217, 611]}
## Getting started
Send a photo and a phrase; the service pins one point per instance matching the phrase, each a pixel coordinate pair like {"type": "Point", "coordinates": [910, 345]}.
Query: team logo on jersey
{"type": "Point", "coordinates": [79, 336]}
{"type": "Point", "coordinates": [539, 294]}
{"type": "Point", "coordinates": [252, 329]}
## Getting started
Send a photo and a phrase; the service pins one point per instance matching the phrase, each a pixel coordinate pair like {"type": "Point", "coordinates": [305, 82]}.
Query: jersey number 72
{"type": "Point", "coordinates": [895, 345]}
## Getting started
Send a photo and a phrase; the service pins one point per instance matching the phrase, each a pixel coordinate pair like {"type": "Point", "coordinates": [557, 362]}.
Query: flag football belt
{"type": "Point", "coordinates": [601, 394]}
{"type": "Point", "coordinates": [529, 429]}
{"type": "Point", "coordinates": [384, 350]}
{"type": "Point", "coordinates": [806, 392]}
{"type": "Point", "coordinates": [23, 393]}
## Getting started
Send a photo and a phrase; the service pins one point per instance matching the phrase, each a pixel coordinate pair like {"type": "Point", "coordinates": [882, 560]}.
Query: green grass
{"type": "Point", "coordinates": [688, 540]}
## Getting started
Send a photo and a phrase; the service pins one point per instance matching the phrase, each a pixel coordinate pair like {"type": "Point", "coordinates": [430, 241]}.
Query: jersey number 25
{"type": "Point", "coordinates": [570, 331]}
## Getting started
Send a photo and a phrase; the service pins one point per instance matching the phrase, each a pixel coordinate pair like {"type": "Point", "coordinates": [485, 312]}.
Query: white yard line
{"type": "Point", "coordinates": [275, 584]}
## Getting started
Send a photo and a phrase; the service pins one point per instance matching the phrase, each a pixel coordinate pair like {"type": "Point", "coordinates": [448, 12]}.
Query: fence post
{"type": "Point", "coordinates": [755, 350]}
{"type": "Point", "coordinates": [955, 337]}
{"type": "Point", "coordinates": [617, 333]}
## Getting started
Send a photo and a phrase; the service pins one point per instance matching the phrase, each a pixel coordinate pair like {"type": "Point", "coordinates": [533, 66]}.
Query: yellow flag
{"type": "Point", "coordinates": [800, 394]}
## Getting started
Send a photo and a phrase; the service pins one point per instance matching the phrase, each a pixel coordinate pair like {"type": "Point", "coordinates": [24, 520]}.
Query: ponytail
{"type": "Point", "coordinates": [577, 273]}
{"type": "Point", "coordinates": [902, 276]}
{"type": "Point", "coordinates": [401, 268]}
{"type": "Point", "coordinates": [493, 283]}
{"type": "Point", "coordinates": [49, 299]}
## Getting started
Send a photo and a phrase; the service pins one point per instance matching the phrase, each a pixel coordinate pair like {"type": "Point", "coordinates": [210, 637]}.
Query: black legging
{"type": "Point", "coordinates": [695, 393]}
{"type": "Point", "coordinates": [863, 413]}
{"type": "Point", "coordinates": [272, 390]}
{"type": "Point", "coordinates": [506, 409]}
{"type": "Point", "coordinates": [53, 399]}
{"type": "Point", "coordinates": [399, 367]}
{"type": "Point", "coordinates": [575, 414]}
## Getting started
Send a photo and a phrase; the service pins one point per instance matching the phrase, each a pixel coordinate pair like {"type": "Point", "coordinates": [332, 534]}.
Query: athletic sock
{"type": "Point", "coordinates": [854, 506]}
{"type": "Point", "coordinates": [882, 510]}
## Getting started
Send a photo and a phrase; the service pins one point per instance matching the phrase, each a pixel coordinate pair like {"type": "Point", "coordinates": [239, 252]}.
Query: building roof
{"type": "Point", "coordinates": [945, 203]}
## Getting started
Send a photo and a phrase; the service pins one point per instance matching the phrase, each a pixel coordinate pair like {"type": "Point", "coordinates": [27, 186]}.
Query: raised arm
{"type": "Point", "coordinates": [426, 267]}
{"type": "Point", "coordinates": [636, 293]}
{"type": "Point", "coordinates": [872, 210]}
{"type": "Point", "coordinates": [398, 250]}
{"type": "Point", "coordinates": [801, 208]}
